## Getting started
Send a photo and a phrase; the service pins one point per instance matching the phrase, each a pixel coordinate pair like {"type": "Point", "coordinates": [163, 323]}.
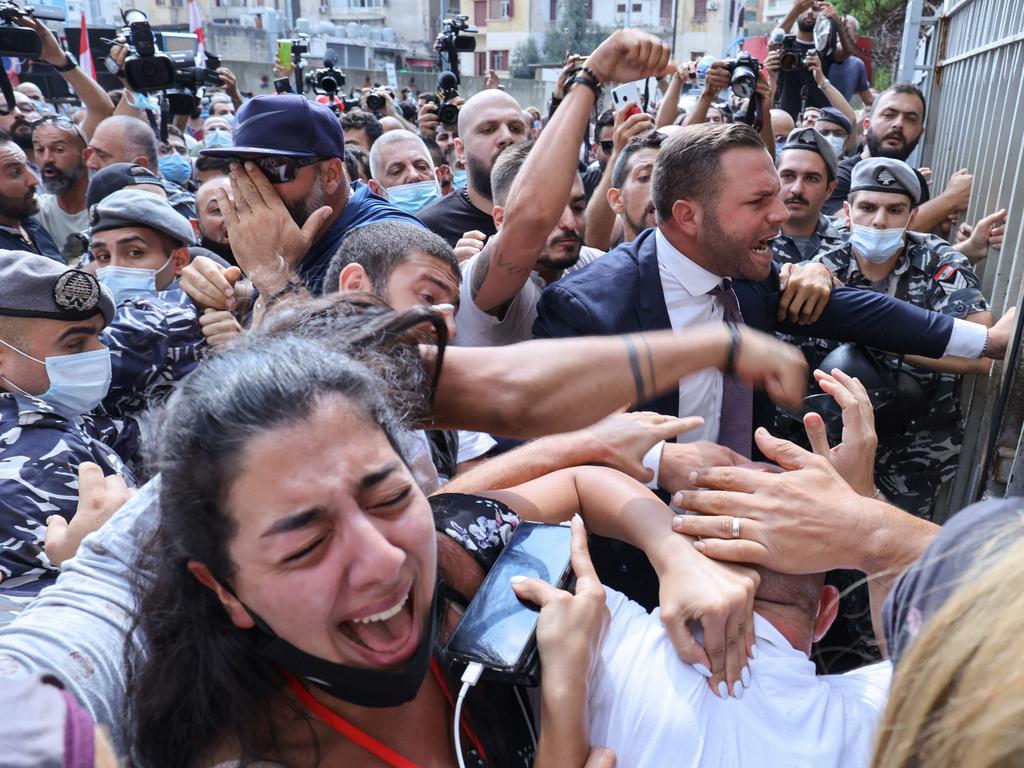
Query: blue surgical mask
{"type": "Point", "coordinates": [143, 102]}
{"type": "Point", "coordinates": [837, 142]}
{"type": "Point", "coordinates": [127, 283]}
{"type": "Point", "coordinates": [176, 168]}
{"type": "Point", "coordinates": [218, 137]}
{"type": "Point", "coordinates": [459, 179]}
{"type": "Point", "coordinates": [876, 245]}
{"type": "Point", "coordinates": [412, 198]}
{"type": "Point", "coordinates": [78, 382]}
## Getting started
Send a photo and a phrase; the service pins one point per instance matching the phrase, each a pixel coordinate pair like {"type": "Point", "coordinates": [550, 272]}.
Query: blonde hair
{"type": "Point", "coordinates": [958, 696]}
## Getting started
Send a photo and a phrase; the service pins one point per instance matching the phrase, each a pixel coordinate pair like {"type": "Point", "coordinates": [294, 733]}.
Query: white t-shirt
{"type": "Point", "coordinates": [476, 328]}
{"type": "Point", "coordinates": [59, 223]}
{"type": "Point", "coordinates": [655, 710]}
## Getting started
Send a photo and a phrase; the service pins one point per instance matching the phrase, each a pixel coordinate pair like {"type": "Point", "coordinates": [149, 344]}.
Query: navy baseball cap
{"type": "Point", "coordinates": [833, 115]}
{"type": "Point", "coordinates": [285, 125]}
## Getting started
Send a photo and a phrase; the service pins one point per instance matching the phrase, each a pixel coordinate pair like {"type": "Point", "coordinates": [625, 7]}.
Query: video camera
{"type": "Point", "coordinates": [447, 89]}
{"type": "Point", "coordinates": [743, 71]}
{"type": "Point", "coordinates": [20, 42]}
{"type": "Point", "coordinates": [452, 41]}
{"type": "Point", "coordinates": [327, 80]}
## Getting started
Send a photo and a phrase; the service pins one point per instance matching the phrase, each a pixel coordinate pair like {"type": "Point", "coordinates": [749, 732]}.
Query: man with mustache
{"type": "Point", "coordinates": [540, 205]}
{"type": "Point", "coordinates": [58, 146]}
{"type": "Point", "coordinates": [893, 129]}
{"type": "Point", "coordinates": [18, 122]}
{"type": "Point", "coordinates": [19, 228]}
{"type": "Point", "coordinates": [807, 170]}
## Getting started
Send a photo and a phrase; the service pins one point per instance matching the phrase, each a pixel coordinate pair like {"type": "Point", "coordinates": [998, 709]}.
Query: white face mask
{"type": "Point", "coordinates": [837, 142]}
{"type": "Point", "coordinates": [876, 245]}
{"type": "Point", "coordinates": [78, 382]}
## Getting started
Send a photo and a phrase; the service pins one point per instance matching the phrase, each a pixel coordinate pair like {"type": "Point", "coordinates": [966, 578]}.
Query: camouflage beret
{"type": "Point", "coordinates": [36, 286]}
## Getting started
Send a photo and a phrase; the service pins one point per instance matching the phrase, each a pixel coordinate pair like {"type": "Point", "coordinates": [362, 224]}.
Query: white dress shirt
{"type": "Point", "coordinates": [655, 710]}
{"type": "Point", "coordinates": [686, 286]}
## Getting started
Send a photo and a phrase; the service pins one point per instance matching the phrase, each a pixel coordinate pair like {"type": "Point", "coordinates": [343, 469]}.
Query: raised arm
{"type": "Point", "coordinates": [542, 188]}
{"type": "Point", "coordinates": [669, 108]}
{"type": "Point", "coordinates": [717, 79]}
{"type": "Point", "coordinates": [835, 98]}
{"type": "Point", "coordinates": [98, 105]}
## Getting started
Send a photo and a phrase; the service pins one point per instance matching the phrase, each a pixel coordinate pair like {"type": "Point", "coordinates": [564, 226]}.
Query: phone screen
{"type": "Point", "coordinates": [284, 53]}
{"type": "Point", "coordinates": [497, 629]}
{"type": "Point", "coordinates": [282, 85]}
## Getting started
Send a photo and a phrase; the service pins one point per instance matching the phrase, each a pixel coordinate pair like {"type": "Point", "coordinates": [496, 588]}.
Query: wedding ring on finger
{"type": "Point", "coordinates": [736, 527]}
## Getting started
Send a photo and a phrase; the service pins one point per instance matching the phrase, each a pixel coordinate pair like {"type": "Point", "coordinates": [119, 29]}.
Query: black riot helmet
{"type": "Point", "coordinates": [896, 397]}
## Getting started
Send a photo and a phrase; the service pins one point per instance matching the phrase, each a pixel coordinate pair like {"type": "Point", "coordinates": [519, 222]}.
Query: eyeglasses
{"type": "Point", "coordinates": [62, 122]}
{"type": "Point", "coordinates": [607, 146]}
{"type": "Point", "coordinates": [279, 170]}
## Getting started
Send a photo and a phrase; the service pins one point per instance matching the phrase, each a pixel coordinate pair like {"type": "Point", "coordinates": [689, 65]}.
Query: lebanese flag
{"type": "Point", "coordinates": [84, 54]}
{"type": "Point", "coordinates": [195, 26]}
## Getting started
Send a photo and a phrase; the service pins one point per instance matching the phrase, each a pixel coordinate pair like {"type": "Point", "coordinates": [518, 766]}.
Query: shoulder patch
{"type": "Point", "coordinates": [950, 278]}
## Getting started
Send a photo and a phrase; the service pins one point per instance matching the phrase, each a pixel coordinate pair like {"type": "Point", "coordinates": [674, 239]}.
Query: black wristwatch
{"type": "Point", "coordinates": [70, 62]}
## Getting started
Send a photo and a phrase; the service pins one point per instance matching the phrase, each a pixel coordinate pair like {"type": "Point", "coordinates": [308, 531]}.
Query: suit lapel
{"type": "Point", "coordinates": [652, 313]}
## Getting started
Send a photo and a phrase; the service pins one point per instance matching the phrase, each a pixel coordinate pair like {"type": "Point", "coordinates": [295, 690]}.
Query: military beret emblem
{"type": "Point", "coordinates": [76, 291]}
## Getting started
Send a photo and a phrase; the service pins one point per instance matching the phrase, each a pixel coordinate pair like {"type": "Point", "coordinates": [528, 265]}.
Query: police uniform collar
{"type": "Point", "coordinates": [33, 412]}
{"type": "Point", "coordinates": [826, 228]}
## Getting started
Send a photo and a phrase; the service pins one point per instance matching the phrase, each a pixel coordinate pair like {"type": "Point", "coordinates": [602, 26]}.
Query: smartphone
{"type": "Point", "coordinates": [623, 94]}
{"type": "Point", "coordinates": [282, 85]}
{"type": "Point", "coordinates": [284, 53]}
{"type": "Point", "coordinates": [498, 630]}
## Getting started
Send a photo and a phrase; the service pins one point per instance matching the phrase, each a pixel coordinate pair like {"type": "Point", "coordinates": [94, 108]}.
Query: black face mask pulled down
{"type": "Point", "coordinates": [376, 688]}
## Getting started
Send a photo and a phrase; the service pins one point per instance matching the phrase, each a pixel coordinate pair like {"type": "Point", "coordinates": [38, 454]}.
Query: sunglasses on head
{"type": "Point", "coordinates": [279, 170]}
{"type": "Point", "coordinates": [62, 122]}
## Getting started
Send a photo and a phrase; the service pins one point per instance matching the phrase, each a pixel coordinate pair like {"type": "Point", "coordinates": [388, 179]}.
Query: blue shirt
{"type": "Point", "coordinates": [363, 208]}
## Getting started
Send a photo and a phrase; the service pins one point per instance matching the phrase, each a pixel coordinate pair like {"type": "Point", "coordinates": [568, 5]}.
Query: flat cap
{"type": "Point", "coordinates": [118, 176]}
{"type": "Point", "coordinates": [35, 286]}
{"type": "Point", "coordinates": [886, 174]}
{"type": "Point", "coordinates": [833, 115]}
{"type": "Point", "coordinates": [810, 140]}
{"type": "Point", "coordinates": [135, 208]}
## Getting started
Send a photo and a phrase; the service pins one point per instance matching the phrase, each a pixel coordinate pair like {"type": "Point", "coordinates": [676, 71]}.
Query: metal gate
{"type": "Point", "coordinates": [969, 62]}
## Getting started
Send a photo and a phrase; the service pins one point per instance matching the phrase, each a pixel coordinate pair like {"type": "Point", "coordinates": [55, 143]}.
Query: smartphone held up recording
{"type": "Point", "coordinates": [498, 630]}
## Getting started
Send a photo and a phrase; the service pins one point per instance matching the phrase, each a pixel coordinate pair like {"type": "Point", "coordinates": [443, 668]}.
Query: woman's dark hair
{"type": "Point", "coordinates": [199, 681]}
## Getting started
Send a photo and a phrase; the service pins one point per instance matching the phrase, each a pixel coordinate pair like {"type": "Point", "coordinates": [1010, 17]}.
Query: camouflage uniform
{"type": "Point", "coordinates": [911, 469]}
{"type": "Point", "coordinates": [930, 274]}
{"type": "Point", "coordinates": [153, 344]}
{"type": "Point", "coordinates": [826, 237]}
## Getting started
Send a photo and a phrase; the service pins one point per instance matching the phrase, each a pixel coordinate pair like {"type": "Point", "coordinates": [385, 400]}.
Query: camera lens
{"type": "Point", "coordinates": [743, 82]}
{"type": "Point", "coordinates": [328, 84]}
{"type": "Point", "coordinates": [375, 102]}
{"type": "Point", "coordinates": [448, 114]}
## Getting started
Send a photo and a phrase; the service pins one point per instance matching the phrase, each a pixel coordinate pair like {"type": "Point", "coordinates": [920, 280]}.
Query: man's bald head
{"type": "Point", "coordinates": [782, 124]}
{"type": "Point", "coordinates": [485, 100]}
{"type": "Point", "coordinates": [123, 139]}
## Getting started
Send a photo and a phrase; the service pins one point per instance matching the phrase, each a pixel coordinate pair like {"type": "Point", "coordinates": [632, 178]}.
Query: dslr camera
{"type": "Point", "coordinates": [453, 40]}
{"type": "Point", "coordinates": [376, 101]}
{"type": "Point", "coordinates": [791, 55]}
{"type": "Point", "coordinates": [146, 68]}
{"type": "Point", "coordinates": [19, 41]}
{"type": "Point", "coordinates": [447, 90]}
{"type": "Point", "coordinates": [327, 80]}
{"type": "Point", "coordinates": [743, 71]}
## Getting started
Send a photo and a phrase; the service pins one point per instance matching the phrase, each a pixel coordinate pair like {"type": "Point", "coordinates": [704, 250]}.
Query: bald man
{"type": "Point", "coordinates": [782, 126]}
{"type": "Point", "coordinates": [488, 122]}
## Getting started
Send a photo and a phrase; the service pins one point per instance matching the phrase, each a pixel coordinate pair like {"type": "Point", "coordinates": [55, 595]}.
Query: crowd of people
{"type": "Point", "coordinates": [278, 383]}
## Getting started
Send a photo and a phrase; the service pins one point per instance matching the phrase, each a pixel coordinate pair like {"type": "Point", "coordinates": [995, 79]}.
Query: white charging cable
{"type": "Point", "coordinates": [469, 679]}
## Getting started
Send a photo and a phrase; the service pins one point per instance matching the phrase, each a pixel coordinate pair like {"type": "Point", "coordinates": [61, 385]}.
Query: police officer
{"type": "Point", "coordinates": [884, 255]}
{"type": "Point", "coordinates": [54, 371]}
{"type": "Point", "coordinates": [807, 170]}
{"type": "Point", "coordinates": [140, 245]}
{"type": "Point", "coordinates": [836, 127]}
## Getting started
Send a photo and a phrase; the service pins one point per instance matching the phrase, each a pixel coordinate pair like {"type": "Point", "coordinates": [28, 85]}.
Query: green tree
{"type": "Point", "coordinates": [523, 56]}
{"type": "Point", "coordinates": [573, 32]}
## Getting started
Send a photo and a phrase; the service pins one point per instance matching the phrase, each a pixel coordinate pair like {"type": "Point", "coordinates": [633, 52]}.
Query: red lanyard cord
{"type": "Point", "coordinates": [360, 737]}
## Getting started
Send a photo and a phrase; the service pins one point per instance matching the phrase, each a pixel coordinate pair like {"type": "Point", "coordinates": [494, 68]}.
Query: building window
{"type": "Point", "coordinates": [620, 8]}
{"type": "Point", "coordinates": [499, 60]}
{"type": "Point", "coordinates": [500, 9]}
{"type": "Point", "coordinates": [696, 55]}
{"type": "Point", "coordinates": [480, 62]}
{"type": "Point", "coordinates": [666, 12]}
{"type": "Point", "coordinates": [700, 10]}
{"type": "Point", "coordinates": [480, 13]}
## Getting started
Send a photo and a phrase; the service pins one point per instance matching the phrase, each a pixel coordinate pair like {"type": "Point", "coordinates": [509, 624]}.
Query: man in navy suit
{"type": "Point", "coordinates": [716, 193]}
